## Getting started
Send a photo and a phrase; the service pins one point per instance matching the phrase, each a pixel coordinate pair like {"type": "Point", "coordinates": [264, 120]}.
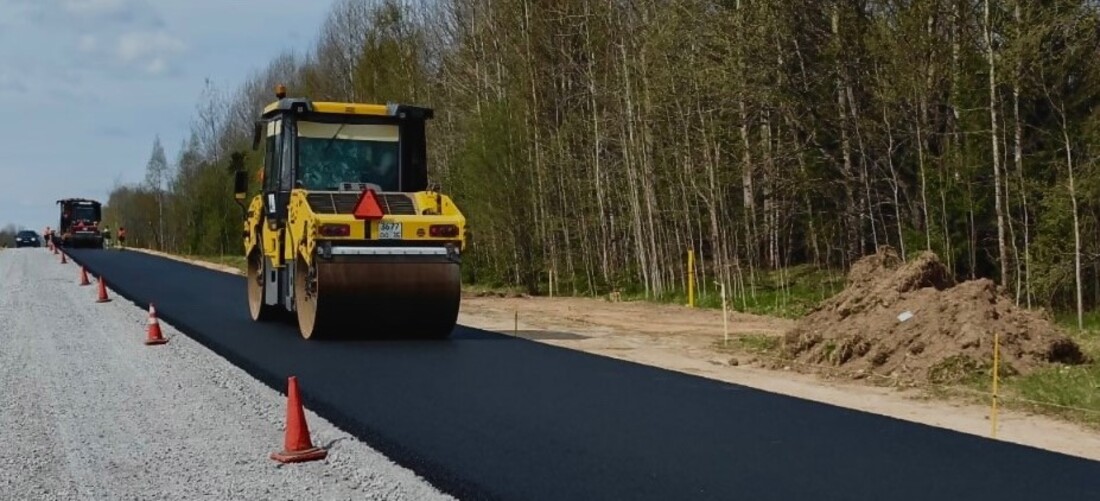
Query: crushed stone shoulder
{"type": "Point", "coordinates": [90, 412]}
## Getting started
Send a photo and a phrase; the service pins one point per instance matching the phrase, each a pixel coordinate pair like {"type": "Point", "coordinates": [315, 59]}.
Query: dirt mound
{"type": "Point", "coordinates": [912, 322]}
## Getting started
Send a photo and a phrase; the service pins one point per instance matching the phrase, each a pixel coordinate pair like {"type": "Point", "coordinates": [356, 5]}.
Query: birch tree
{"type": "Point", "coordinates": [156, 173]}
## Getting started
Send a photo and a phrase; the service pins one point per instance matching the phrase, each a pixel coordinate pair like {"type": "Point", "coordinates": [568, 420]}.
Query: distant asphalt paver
{"type": "Point", "coordinates": [488, 416]}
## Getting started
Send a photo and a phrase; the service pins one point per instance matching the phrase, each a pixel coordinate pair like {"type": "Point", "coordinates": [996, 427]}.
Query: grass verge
{"type": "Point", "coordinates": [1070, 393]}
{"type": "Point", "coordinates": [786, 293]}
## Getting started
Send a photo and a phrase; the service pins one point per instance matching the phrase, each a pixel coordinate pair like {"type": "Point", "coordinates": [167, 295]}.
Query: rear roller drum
{"type": "Point", "coordinates": [361, 300]}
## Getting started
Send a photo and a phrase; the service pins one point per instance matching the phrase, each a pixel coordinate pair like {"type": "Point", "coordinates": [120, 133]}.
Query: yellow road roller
{"type": "Point", "coordinates": [345, 231]}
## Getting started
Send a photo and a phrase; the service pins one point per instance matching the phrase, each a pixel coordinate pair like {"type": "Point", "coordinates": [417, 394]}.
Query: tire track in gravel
{"type": "Point", "coordinates": [95, 414]}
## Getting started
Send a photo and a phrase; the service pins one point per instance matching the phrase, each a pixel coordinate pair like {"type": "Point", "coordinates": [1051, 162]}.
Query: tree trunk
{"type": "Point", "coordinates": [1076, 224]}
{"type": "Point", "coordinates": [998, 202]}
{"type": "Point", "coordinates": [1018, 157]}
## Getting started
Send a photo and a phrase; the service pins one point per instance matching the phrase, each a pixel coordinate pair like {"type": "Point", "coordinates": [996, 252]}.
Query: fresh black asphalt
{"type": "Point", "coordinates": [484, 415]}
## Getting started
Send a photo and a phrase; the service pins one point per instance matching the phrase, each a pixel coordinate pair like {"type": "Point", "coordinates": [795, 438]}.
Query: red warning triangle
{"type": "Point", "coordinates": [367, 207]}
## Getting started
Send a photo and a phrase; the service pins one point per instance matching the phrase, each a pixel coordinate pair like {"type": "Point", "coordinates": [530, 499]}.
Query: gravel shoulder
{"type": "Point", "coordinates": [89, 412]}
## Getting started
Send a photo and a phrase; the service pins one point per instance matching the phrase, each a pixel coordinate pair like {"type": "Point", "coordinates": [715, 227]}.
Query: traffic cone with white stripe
{"type": "Point", "coordinates": [297, 446]}
{"type": "Point", "coordinates": [102, 291]}
{"type": "Point", "coordinates": [153, 334]}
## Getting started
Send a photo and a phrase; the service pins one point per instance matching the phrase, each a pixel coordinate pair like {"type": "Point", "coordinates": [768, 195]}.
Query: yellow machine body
{"type": "Point", "coordinates": [345, 232]}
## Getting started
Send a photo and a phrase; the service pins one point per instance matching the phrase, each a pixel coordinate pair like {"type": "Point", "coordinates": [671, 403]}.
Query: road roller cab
{"type": "Point", "coordinates": [345, 231]}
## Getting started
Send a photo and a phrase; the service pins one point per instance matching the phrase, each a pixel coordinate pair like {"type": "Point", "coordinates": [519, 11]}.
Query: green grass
{"type": "Point", "coordinates": [1072, 391]}
{"type": "Point", "coordinates": [1068, 320]}
{"type": "Point", "coordinates": [789, 293]}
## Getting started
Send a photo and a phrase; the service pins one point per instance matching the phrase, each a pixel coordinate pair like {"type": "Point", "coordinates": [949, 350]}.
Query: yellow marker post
{"type": "Point", "coordinates": [996, 366]}
{"type": "Point", "coordinates": [691, 277]}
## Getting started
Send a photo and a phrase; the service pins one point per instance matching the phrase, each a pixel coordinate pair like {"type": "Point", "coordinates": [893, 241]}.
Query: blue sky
{"type": "Point", "coordinates": [85, 85]}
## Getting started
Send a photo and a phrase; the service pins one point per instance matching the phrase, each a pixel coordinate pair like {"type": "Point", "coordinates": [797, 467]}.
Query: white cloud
{"type": "Point", "coordinates": [82, 14]}
{"type": "Point", "coordinates": [94, 6]}
{"type": "Point", "coordinates": [120, 38]}
{"type": "Point", "coordinates": [149, 51]}
{"type": "Point", "coordinates": [9, 84]}
{"type": "Point", "coordinates": [15, 12]}
{"type": "Point", "coordinates": [87, 43]}
{"type": "Point", "coordinates": [122, 12]}
{"type": "Point", "coordinates": [135, 45]}
{"type": "Point", "coordinates": [157, 66]}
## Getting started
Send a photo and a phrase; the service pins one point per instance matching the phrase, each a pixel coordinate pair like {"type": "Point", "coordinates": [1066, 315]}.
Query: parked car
{"type": "Point", "coordinates": [27, 238]}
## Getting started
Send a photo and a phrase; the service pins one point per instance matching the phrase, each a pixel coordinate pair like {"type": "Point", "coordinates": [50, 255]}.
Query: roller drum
{"type": "Point", "coordinates": [397, 297]}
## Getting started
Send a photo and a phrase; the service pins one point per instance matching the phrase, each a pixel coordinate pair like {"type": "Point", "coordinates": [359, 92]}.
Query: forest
{"type": "Point", "coordinates": [591, 144]}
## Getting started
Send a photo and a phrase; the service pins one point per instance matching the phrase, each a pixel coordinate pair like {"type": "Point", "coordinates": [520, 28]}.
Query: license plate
{"type": "Point", "coordinates": [388, 230]}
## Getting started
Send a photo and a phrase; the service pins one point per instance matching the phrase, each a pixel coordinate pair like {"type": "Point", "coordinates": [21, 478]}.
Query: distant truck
{"type": "Point", "coordinates": [80, 218]}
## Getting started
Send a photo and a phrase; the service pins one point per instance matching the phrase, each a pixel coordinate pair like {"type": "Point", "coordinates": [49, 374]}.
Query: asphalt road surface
{"type": "Point", "coordinates": [485, 416]}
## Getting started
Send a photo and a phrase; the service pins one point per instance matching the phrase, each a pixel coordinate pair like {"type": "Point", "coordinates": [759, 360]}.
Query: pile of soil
{"type": "Point", "coordinates": [913, 323]}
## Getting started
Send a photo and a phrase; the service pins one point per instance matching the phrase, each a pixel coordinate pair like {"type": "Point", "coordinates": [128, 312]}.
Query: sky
{"type": "Point", "coordinates": [86, 85]}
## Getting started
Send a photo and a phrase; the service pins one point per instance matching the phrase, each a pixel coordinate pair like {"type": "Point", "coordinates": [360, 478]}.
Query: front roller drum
{"type": "Point", "coordinates": [257, 309]}
{"type": "Point", "coordinates": [395, 299]}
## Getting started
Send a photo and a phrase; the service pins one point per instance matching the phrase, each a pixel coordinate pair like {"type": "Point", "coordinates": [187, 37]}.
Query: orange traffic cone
{"type": "Point", "coordinates": [84, 277]}
{"type": "Point", "coordinates": [102, 292]}
{"type": "Point", "coordinates": [297, 447]}
{"type": "Point", "coordinates": [154, 335]}
{"type": "Point", "coordinates": [63, 261]}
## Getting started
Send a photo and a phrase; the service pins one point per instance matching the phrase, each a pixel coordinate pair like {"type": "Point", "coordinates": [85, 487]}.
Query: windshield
{"type": "Point", "coordinates": [84, 213]}
{"type": "Point", "coordinates": [331, 154]}
{"type": "Point", "coordinates": [27, 234]}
